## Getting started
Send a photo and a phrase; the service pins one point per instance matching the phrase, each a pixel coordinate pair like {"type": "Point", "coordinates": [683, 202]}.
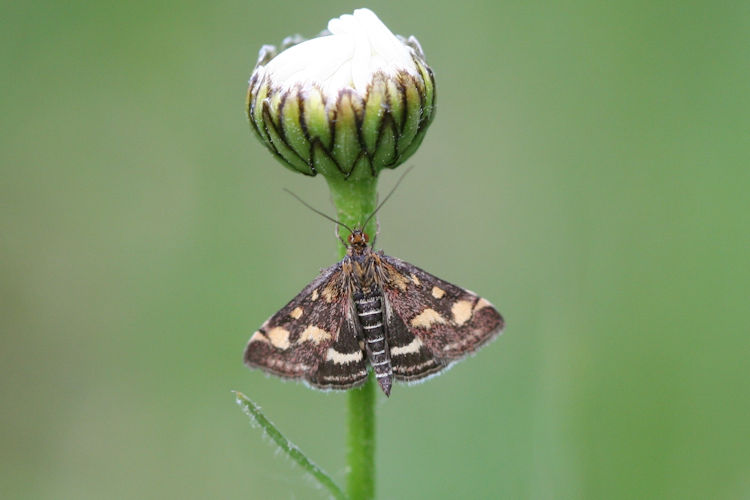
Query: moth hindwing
{"type": "Point", "coordinates": [372, 310]}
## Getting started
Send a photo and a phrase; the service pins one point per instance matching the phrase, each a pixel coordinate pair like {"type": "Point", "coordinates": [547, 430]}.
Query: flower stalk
{"type": "Point", "coordinates": [360, 481]}
{"type": "Point", "coordinates": [354, 202]}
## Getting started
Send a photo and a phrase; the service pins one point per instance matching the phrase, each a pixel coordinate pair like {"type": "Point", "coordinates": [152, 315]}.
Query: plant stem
{"type": "Point", "coordinates": [355, 201]}
{"type": "Point", "coordinates": [360, 484]}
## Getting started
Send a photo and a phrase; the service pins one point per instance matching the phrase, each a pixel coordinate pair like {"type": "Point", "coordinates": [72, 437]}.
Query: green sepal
{"type": "Point", "coordinates": [385, 155]}
{"type": "Point", "coordinates": [374, 111]}
{"type": "Point", "coordinates": [292, 127]}
{"type": "Point", "coordinates": [395, 104]}
{"type": "Point", "coordinates": [346, 146]}
{"type": "Point", "coordinates": [316, 117]}
{"type": "Point", "coordinates": [412, 114]}
{"type": "Point", "coordinates": [283, 151]}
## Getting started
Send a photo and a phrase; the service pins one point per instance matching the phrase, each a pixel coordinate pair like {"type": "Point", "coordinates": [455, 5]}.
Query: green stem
{"type": "Point", "coordinates": [360, 484]}
{"type": "Point", "coordinates": [355, 201]}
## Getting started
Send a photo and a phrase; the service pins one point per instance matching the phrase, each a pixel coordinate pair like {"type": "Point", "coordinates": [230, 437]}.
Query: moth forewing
{"type": "Point", "coordinates": [292, 342]}
{"type": "Point", "coordinates": [451, 321]}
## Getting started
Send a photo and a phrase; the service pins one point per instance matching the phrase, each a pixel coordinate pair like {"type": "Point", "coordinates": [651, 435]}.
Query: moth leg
{"type": "Point", "coordinates": [377, 232]}
{"type": "Point", "coordinates": [339, 236]}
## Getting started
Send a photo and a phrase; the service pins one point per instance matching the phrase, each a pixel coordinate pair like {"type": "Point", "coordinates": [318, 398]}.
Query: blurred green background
{"type": "Point", "coordinates": [587, 172]}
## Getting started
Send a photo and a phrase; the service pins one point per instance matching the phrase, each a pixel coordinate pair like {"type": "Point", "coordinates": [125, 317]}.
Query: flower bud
{"type": "Point", "coordinates": [346, 104]}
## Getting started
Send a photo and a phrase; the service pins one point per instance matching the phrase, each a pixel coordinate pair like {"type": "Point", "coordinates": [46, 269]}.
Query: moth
{"type": "Point", "coordinates": [371, 311]}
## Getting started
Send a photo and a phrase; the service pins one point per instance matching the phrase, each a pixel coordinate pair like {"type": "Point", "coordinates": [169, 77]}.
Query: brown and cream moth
{"type": "Point", "coordinates": [372, 310]}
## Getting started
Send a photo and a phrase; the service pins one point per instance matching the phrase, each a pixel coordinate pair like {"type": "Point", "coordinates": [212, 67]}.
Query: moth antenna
{"type": "Point", "coordinates": [387, 196]}
{"type": "Point", "coordinates": [320, 213]}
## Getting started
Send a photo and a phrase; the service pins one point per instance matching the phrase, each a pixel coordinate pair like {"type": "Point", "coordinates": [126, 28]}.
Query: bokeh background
{"type": "Point", "coordinates": [587, 172]}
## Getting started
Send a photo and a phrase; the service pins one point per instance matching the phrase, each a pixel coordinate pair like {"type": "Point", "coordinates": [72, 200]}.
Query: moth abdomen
{"type": "Point", "coordinates": [370, 311]}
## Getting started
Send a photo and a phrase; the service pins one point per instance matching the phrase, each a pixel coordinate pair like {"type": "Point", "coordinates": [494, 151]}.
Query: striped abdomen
{"type": "Point", "coordinates": [370, 312]}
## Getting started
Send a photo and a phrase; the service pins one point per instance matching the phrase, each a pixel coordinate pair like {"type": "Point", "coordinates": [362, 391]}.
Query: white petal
{"type": "Point", "coordinates": [359, 46]}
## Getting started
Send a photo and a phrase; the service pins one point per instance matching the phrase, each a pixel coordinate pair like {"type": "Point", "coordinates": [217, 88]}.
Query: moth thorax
{"type": "Point", "coordinates": [364, 275]}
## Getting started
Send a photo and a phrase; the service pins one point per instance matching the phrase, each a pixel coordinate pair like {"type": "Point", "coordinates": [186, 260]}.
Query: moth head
{"type": "Point", "coordinates": [358, 238]}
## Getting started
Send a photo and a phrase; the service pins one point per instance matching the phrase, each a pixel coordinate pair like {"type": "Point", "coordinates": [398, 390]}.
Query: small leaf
{"type": "Point", "coordinates": [257, 418]}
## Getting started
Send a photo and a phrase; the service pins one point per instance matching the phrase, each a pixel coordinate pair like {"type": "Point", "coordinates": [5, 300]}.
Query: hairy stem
{"type": "Point", "coordinates": [355, 201]}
